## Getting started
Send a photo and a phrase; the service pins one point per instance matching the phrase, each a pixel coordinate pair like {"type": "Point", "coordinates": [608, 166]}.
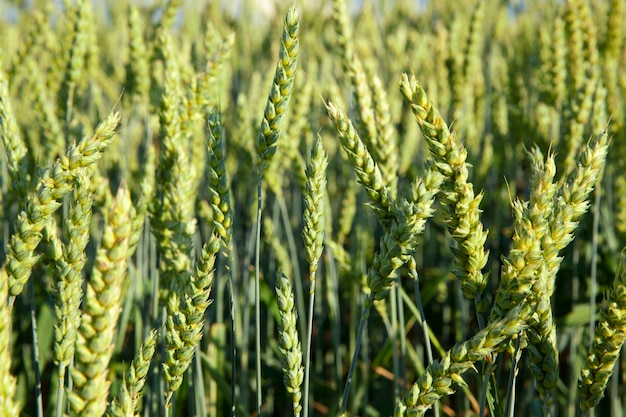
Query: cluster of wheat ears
{"type": "Point", "coordinates": [421, 170]}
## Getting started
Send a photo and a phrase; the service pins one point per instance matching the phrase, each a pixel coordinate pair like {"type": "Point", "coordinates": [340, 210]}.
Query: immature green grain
{"type": "Point", "coordinates": [101, 311]}
{"type": "Point", "coordinates": [556, 65]}
{"type": "Point", "coordinates": [572, 202]}
{"type": "Point", "coordinates": [280, 90]}
{"type": "Point", "coordinates": [219, 191]}
{"type": "Point", "coordinates": [343, 31]}
{"type": "Point", "coordinates": [14, 145]}
{"type": "Point", "coordinates": [142, 204]}
{"type": "Point", "coordinates": [52, 186]}
{"type": "Point", "coordinates": [542, 348]}
{"type": "Point", "coordinates": [137, 71]}
{"type": "Point", "coordinates": [218, 179]}
{"type": "Point", "coordinates": [75, 69]}
{"type": "Point", "coordinates": [69, 292]}
{"type": "Point", "coordinates": [348, 212]}
{"type": "Point", "coordinates": [387, 148]}
{"type": "Point", "coordinates": [289, 344]}
{"type": "Point", "coordinates": [472, 113]}
{"type": "Point", "coordinates": [127, 401]}
{"type": "Point", "coordinates": [400, 239]}
{"type": "Point", "coordinates": [462, 218]}
{"type": "Point", "coordinates": [267, 138]}
{"type": "Point", "coordinates": [367, 171]}
{"type": "Point", "coordinates": [437, 379]}
{"type": "Point", "coordinates": [573, 10]}
{"type": "Point", "coordinates": [611, 52]}
{"type": "Point", "coordinates": [541, 333]}
{"type": "Point", "coordinates": [33, 41]}
{"type": "Point", "coordinates": [313, 235]}
{"type": "Point", "coordinates": [54, 143]}
{"type": "Point", "coordinates": [172, 209]}
{"type": "Point", "coordinates": [609, 337]}
{"type": "Point", "coordinates": [278, 247]}
{"type": "Point", "coordinates": [185, 322]}
{"type": "Point", "coordinates": [299, 129]}
{"type": "Point", "coordinates": [315, 208]}
{"type": "Point", "coordinates": [353, 68]}
{"type": "Point", "coordinates": [217, 54]}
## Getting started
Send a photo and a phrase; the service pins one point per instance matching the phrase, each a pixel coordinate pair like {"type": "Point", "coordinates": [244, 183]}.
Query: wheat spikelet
{"type": "Point", "coordinates": [462, 218]}
{"type": "Point", "coordinates": [13, 144]}
{"type": "Point", "coordinates": [218, 179]}
{"type": "Point", "coordinates": [52, 186]}
{"type": "Point", "coordinates": [367, 171]}
{"type": "Point", "coordinates": [437, 379]}
{"type": "Point", "coordinates": [609, 337]}
{"type": "Point", "coordinates": [281, 89]}
{"type": "Point", "coordinates": [101, 312]}
{"type": "Point", "coordinates": [290, 347]}
{"type": "Point", "coordinates": [315, 207]}
{"type": "Point", "coordinates": [185, 321]}
{"type": "Point", "coordinates": [127, 401]}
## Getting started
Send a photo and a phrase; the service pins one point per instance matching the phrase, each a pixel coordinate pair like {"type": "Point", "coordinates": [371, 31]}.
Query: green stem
{"type": "Point", "coordinates": [36, 365]}
{"type": "Point", "coordinates": [357, 347]}
{"type": "Point", "coordinates": [418, 297]}
{"type": "Point", "coordinates": [309, 341]}
{"type": "Point", "coordinates": [257, 296]}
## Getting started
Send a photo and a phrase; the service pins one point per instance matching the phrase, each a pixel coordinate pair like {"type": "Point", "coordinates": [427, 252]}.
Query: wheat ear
{"type": "Point", "coordinates": [127, 401]}
{"type": "Point", "coordinates": [289, 343]}
{"type": "Point", "coordinates": [267, 139]}
{"type": "Point", "coordinates": [52, 186]}
{"type": "Point", "coordinates": [610, 334]}
{"type": "Point", "coordinates": [94, 346]}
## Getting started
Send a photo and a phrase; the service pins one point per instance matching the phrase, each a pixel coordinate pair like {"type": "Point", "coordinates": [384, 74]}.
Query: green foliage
{"type": "Point", "coordinates": [452, 175]}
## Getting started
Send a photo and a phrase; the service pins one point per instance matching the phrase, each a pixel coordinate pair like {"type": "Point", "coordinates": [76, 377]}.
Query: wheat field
{"type": "Point", "coordinates": [350, 208]}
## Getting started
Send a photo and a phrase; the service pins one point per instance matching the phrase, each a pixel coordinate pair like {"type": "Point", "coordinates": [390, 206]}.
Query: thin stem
{"type": "Point", "coordinates": [293, 250]}
{"type": "Point", "coordinates": [33, 320]}
{"type": "Point", "coordinates": [309, 341]}
{"type": "Point", "coordinates": [429, 349]}
{"type": "Point", "coordinates": [233, 334]}
{"type": "Point", "coordinates": [357, 347]}
{"type": "Point", "coordinates": [510, 394]}
{"type": "Point", "coordinates": [402, 333]}
{"type": "Point", "coordinates": [60, 390]}
{"type": "Point", "coordinates": [594, 272]}
{"type": "Point", "coordinates": [393, 334]}
{"type": "Point", "coordinates": [257, 297]}
{"type": "Point", "coordinates": [594, 266]}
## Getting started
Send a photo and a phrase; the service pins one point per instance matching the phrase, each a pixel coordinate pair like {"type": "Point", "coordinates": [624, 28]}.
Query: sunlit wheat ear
{"type": "Point", "coordinates": [572, 202]}
{"type": "Point", "coordinates": [75, 69]}
{"type": "Point", "coordinates": [127, 401]}
{"type": "Point", "coordinates": [102, 307]}
{"type": "Point", "coordinates": [315, 210]}
{"type": "Point", "coordinates": [290, 347]}
{"type": "Point", "coordinates": [436, 381]}
{"type": "Point", "coordinates": [69, 292]}
{"type": "Point", "coordinates": [52, 186]}
{"type": "Point", "coordinates": [387, 148]}
{"type": "Point", "coordinates": [137, 68]}
{"type": "Point", "coordinates": [218, 179]}
{"type": "Point", "coordinates": [280, 90]}
{"type": "Point", "coordinates": [463, 214]}
{"type": "Point", "coordinates": [368, 173]}
{"type": "Point", "coordinates": [185, 321]}
{"type": "Point", "coordinates": [14, 145]}
{"type": "Point", "coordinates": [609, 337]}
